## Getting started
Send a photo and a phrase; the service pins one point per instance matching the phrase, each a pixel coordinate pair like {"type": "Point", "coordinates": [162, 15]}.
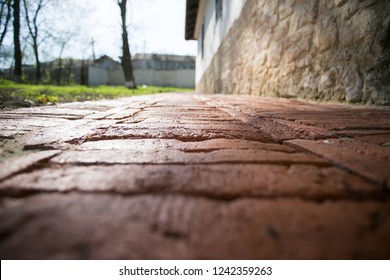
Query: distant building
{"type": "Point", "coordinates": [149, 69]}
{"type": "Point", "coordinates": [105, 71]}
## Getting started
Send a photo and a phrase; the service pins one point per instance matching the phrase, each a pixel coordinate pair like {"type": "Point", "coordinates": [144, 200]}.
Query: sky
{"type": "Point", "coordinates": [154, 26]}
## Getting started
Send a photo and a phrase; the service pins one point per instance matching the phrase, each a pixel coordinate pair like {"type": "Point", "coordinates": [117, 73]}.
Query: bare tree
{"type": "Point", "coordinates": [62, 40]}
{"type": "Point", "coordinates": [5, 16]}
{"type": "Point", "coordinates": [126, 55]}
{"type": "Point", "coordinates": [59, 67]}
{"type": "Point", "coordinates": [34, 7]}
{"type": "Point", "coordinates": [17, 49]}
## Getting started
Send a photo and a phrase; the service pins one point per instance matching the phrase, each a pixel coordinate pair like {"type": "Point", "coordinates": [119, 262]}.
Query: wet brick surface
{"type": "Point", "coordinates": [181, 176]}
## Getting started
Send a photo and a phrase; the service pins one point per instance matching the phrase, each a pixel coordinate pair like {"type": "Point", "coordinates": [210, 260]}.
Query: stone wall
{"type": "Point", "coordinates": [317, 49]}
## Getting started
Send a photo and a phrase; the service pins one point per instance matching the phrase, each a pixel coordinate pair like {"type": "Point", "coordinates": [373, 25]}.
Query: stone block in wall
{"type": "Point", "coordinates": [367, 3]}
{"type": "Point", "coordinates": [265, 14]}
{"type": "Point", "coordinates": [349, 10]}
{"type": "Point", "coordinates": [296, 37]}
{"type": "Point", "coordinates": [260, 59]}
{"type": "Point", "coordinates": [328, 79]}
{"type": "Point", "coordinates": [275, 54]}
{"type": "Point", "coordinates": [353, 84]}
{"type": "Point", "coordinates": [309, 83]}
{"type": "Point", "coordinates": [304, 61]}
{"type": "Point", "coordinates": [281, 30]}
{"type": "Point", "coordinates": [270, 6]}
{"type": "Point", "coordinates": [340, 3]}
{"type": "Point", "coordinates": [285, 8]}
{"type": "Point", "coordinates": [325, 6]}
{"type": "Point", "coordinates": [264, 41]}
{"type": "Point", "coordinates": [297, 50]}
{"type": "Point", "coordinates": [305, 12]}
{"type": "Point", "coordinates": [326, 32]}
{"type": "Point", "coordinates": [361, 27]}
{"type": "Point", "coordinates": [376, 83]}
{"type": "Point", "coordinates": [258, 82]}
{"type": "Point", "coordinates": [288, 70]}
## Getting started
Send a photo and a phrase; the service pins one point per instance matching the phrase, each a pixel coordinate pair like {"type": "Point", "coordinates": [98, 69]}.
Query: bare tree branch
{"type": "Point", "coordinates": [33, 28]}
{"type": "Point", "coordinates": [5, 11]}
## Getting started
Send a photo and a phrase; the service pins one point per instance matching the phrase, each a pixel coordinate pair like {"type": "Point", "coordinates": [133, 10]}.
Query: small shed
{"type": "Point", "coordinates": [105, 71]}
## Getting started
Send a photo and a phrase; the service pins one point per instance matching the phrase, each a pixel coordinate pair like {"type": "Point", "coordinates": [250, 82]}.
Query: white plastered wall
{"type": "Point", "coordinates": [215, 30]}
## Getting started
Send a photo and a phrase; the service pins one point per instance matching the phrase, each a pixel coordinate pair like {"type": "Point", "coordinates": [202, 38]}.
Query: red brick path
{"type": "Point", "coordinates": [196, 177]}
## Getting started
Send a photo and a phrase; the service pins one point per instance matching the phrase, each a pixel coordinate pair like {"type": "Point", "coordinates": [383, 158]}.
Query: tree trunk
{"type": "Point", "coordinates": [38, 65]}
{"type": "Point", "coordinates": [83, 74]}
{"type": "Point", "coordinates": [126, 56]}
{"type": "Point", "coordinates": [17, 50]}
{"type": "Point", "coordinates": [59, 73]}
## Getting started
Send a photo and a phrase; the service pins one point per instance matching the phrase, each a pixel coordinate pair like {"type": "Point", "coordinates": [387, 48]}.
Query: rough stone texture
{"type": "Point", "coordinates": [317, 49]}
{"type": "Point", "coordinates": [181, 176]}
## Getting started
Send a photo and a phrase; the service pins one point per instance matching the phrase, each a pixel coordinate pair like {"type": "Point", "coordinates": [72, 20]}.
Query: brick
{"type": "Point", "coordinates": [348, 123]}
{"type": "Point", "coordinates": [223, 181]}
{"type": "Point", "coordinates": [338, 117]}
{"type": "Point", "coordinates": [173, 144]}
{"type": "Point", "coordinates": [169, 114]}
{"type": "Point", "coordinates": [279, 130]}
{"type": "Point", "coordinates": [31, 123]}
{"type": "Point", "coordinates": [117, 113]}
{"type": "Point", "coordinates": [19, 164]}
{"type": "Point", "coordinates": [53, 112]}
{"type": "Point", "coordinates": [181, 157]}
{"type": "Point", "coordinates": [356, 133]}
{"type": "Point", "coordinates": [184, 227]}
{"type": "Point", "coordinates": [368, 160]}
{"type": "Point", "coordinates": [183, 132]}
{"type": "Point", "coordinates": [76, 132]}
{"type": "Point", "coordinates": [380, 139]}
{"type": "Point", "coordinates": [44, 136]}
{"type": "Point", "coordinates": [11, 133]}
{"type": "Point", "coordinates": [11, 148]}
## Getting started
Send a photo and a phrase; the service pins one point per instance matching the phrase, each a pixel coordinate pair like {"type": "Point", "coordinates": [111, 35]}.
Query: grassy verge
{"type": "Point", "coordinates": [20, 95]}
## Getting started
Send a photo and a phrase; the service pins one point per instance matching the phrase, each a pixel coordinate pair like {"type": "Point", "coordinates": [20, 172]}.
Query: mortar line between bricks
{"type": "Point", "coordinates": [284, 163]}
{"type": "Point", "coordinates": [25, 193]}
{"type": "Point", "coordinates": [181, 139]}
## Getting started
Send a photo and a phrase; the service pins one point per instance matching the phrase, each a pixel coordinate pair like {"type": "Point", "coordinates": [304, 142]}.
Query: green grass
{"type": "Point", "coordinates": [50, 94]}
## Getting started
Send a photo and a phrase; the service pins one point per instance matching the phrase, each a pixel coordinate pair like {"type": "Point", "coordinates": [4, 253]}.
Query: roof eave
{"type": "Point", "coordinates": [191, 16]}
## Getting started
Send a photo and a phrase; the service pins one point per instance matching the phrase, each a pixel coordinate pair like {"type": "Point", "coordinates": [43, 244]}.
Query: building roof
{"type": "Point", "coordinates": [191, 14]}
{"type": "Point", "coordinates": [163, 57]}
{"type": "Point", "coordinates": [163, 61]}
{"type": "Point", "coordinates": [107, 62]}
{"type": "Point", "coordinates": [149, 61]}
